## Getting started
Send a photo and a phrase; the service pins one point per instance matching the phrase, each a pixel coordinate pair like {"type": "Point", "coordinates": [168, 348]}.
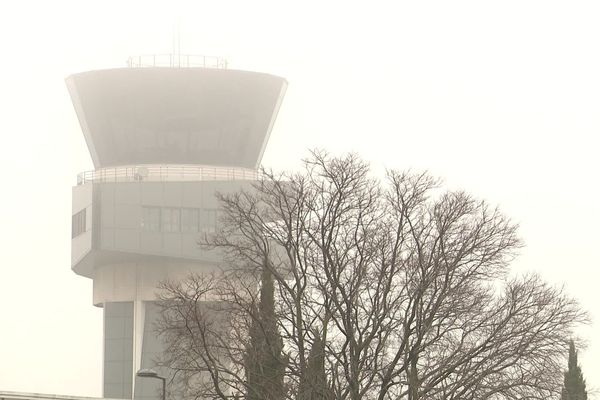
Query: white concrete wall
{"type": "Point", "coordinates": [138, 281]}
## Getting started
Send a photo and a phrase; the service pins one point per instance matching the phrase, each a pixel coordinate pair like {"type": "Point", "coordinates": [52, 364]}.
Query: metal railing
{"type": "Point", "coordinates": [176, 61]}
{"type": "Point", "coordinates": [166, 173]}
{"type": "Point", "coordinates": [42, 396]}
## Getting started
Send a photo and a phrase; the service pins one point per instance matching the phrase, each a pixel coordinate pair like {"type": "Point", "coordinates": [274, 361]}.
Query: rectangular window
{"type": "Point", "coordinates": [208, 221]}
{"type": "Point", "coordinates": [171, 220]}
{"type": "Point", "coordinates": [78, 224]}
{"type": "Point", "coordinates": [189, 220]}
{"type": "Point", "coordinates": [151, 219]}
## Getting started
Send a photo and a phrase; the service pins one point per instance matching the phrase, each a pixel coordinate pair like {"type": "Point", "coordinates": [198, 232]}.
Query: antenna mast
{"type": "Point", "coordinates": [176, 44]}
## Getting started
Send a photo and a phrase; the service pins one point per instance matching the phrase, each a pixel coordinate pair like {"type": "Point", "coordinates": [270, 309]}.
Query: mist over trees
{"type": "Point", "coordinates": [380, 290]}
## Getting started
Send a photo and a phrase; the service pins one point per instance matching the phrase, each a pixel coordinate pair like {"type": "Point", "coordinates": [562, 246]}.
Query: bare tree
{"type": "Point", "coordinates": [405, 286]}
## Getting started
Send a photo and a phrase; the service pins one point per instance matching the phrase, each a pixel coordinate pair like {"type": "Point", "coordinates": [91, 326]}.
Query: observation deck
{"type": "Point", "coordinates": [166, 173]}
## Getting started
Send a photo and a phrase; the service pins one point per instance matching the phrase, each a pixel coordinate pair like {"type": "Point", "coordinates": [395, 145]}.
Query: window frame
{"type": "Point", "coordinates": [147, 224]}
{"type": "Point", "coordinates": [78, 223]}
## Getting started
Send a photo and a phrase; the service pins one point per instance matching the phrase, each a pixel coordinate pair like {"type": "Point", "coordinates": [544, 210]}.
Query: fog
{"type": "Point", "coordinates": [498, 98]}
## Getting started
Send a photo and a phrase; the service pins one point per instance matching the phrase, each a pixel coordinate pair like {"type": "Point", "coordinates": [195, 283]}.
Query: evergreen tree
{"type": "Point", "coordinates": [313, 382]}
{"type": "Point", "coordinates": [574, 384]}
{"type": "Point", "coordinates": [264, 361]}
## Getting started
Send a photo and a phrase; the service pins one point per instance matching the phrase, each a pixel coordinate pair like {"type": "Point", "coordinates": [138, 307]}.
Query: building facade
{"type": "Point", "coordinates": [163, 141]}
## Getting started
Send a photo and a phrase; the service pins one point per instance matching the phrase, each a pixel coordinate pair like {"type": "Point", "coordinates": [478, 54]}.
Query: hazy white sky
{"type": "Point", "coordinates": [500, 98]}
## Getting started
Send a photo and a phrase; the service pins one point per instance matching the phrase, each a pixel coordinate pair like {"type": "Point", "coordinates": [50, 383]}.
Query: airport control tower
{"type": "Point", "coordinates": [164, 134]}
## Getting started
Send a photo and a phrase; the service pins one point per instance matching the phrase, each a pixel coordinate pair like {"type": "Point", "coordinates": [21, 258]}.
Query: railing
{"type": "Point", "coordinates": [166, 173]}
{"type": "Point", "coordinates": [40, 396]}
{"type": "Point", "coordinates": [176, 61]}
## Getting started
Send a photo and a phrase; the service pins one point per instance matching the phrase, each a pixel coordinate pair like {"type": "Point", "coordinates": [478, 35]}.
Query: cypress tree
{"type": "Point", "coordinates": [574, 384]}
{"type": "Point", "coordinates": [313, 381]}
{"type": "Point", "coordinates": [265, 362]}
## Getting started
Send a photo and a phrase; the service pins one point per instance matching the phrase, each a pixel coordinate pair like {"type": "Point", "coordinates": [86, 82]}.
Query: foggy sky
{"type": "Point", "coordinates": [498, 98]}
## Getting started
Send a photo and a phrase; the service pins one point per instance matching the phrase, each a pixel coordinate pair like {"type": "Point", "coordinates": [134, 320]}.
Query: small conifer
{"type": "Point", "coordinates": [265, 362]}
{"type": "Point", "coordinates": [574, 384]}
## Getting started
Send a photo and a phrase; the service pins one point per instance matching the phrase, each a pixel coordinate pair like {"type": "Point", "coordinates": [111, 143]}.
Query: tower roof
{"type": "Point", "coordinates": [157, 115]}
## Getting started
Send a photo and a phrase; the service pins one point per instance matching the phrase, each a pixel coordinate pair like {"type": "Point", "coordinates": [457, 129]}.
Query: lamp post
{"type": "Point", "coordinates": [149, 373]}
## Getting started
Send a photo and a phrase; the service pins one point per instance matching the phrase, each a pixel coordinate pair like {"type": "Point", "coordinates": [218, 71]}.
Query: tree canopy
{"type": "Point", "coordinates": [382, 290]}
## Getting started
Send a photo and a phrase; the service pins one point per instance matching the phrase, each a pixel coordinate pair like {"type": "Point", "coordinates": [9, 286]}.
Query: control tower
{"type": "Point", "coordinates": [164, 135]}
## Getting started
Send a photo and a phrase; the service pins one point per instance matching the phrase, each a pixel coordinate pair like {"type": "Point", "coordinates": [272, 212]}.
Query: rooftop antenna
{"type": "Point", "coordinates": [175, 59]}
{"type": "Point", "coordinates": [176, 44]}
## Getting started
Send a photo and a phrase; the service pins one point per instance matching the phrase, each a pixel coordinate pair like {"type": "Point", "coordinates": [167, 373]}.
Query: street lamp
{"type": "Point", "coordinates": [150, 373]}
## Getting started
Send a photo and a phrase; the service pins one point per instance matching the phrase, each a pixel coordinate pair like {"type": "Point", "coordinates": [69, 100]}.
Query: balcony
{"type": "Point", "coordinates": [166, 173]}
